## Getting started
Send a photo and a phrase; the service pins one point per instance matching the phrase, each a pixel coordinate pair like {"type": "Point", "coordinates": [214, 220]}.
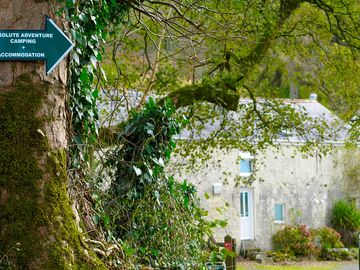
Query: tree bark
{"type": "Point", "coordinates": [37, 227]}
{"type": "Point", "coordinates": [223, 95]}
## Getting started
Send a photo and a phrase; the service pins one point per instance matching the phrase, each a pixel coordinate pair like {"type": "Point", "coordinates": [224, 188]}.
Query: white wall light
{"type": "Point", "coordinates": [217, 188]}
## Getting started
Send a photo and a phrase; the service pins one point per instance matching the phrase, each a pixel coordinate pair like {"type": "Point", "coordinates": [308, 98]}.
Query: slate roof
{"type": "Point", "coordinates": [311, 107]}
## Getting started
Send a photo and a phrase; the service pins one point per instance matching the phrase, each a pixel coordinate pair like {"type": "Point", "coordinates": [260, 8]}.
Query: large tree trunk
{"type": "Point", "coordinates": [37, 227]}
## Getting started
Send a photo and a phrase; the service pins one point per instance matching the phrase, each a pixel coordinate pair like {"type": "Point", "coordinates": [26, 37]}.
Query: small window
{"type": "Point", "coordinates": [245, 166]}
{"type": "Point", "coordinates": [279, 212]}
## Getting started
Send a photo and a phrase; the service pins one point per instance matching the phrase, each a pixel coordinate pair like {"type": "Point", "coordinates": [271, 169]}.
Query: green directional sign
{"type": "Point", "coordinates": [50, 45]}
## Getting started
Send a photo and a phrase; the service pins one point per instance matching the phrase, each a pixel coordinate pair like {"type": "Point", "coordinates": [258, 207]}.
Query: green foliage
{"type": "Point", "coordinates": [329, 237]}
{"type": "Point", "coordinates": [233, 62]}
{"type": "Point", "coordinates": [345, 218]}
{"type": "Point", "coordinates": [165, 228]}
{"type": "Point", "coordinates": [89, 24]}
{"type": "Point", "coordinates": [267, 47]}
{"type": "Point", "coordinates": [281, 256]}
{"type": "Point", "coordinates": [144, 145]}
{"type": "Point", "coordinates": [325, 239]}
{"type": "Point", "coordinates": [339, 254]}
{"type": "Point", "coordinates": [294, 240]}
{"type": "Point", "coordinates": [298, 241]}
{"type": "Point", "coordinates": [311, 58]}
{"type": "Point", "coordinates": [156, 218]}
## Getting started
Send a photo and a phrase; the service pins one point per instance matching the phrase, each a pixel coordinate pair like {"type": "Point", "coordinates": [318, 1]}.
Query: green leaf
{"type": "Point", "coordinates": [186, 201]}
{"type": "Point", "coordinates": [222, 223]}
{"type": "Point", "coordinates": [95, 93]}
{"type": "Point", "coordinates": [148, 177]}
{"type": "Point", "coordinates": [83, 17]}
{"type": "Point", "coordinates": [93, 61]}
{"type": "Point", "coordinates": [137, 170]}
{"type": "Point", "coordinates": [103, 74]}
{"type": "Point", "coordinates": [106, 220]}
{"type": "Point", "coordinates": [99, 57]}
{"type": "Point", "coordinates": [161, 162]}
{"type": "Point", "coordinates": [84, 76]}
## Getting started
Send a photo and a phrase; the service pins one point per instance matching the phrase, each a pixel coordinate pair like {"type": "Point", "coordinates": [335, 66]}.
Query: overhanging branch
{"type": "Point", "coordinates": [225, 96]}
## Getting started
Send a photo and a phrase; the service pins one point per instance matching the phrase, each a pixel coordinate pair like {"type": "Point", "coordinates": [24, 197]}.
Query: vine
{"type": "Point", "coordinates": [174, 205]}
{"type": "Point", "coordinates": [149, 217]}
{"type": "Point", "coordinates": [89, 23]}
{"type": "Point", "coordinates": [157, 219]}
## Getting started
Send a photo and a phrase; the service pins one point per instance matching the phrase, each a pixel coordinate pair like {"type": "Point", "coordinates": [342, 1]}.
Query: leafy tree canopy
{"type": "Point", "coordinates": [220, 51]}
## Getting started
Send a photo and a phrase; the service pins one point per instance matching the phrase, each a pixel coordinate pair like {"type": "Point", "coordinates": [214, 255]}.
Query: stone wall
{"type": "Point", "coordinates": [307, 187]}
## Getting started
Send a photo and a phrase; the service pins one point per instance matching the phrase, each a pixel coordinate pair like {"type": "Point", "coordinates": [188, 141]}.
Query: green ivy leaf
{"type": "Point", "coordinates": [137, 170]}
{"type": "Point", "coordinates": [84, 76]}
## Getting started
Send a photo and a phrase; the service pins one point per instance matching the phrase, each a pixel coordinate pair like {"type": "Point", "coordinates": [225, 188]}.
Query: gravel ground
{"type": "Point", "coordinates": [349, 266]}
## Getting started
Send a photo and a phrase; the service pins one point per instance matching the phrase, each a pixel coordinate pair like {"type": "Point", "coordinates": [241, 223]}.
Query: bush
{"type": "Point", "coordinates": [294, 240]}
{"type": "Point", "coordinates": [279, 256]}
{"type": "Point", "coordinates": [345, 218]}
{"type": "Point", "coordinates": [326, 239]}
{"type": "Point", "coordinates": [299, 241]}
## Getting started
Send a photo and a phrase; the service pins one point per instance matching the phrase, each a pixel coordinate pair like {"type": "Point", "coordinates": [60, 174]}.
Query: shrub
{"type": "Point", "coordinates": [299, 241]}
{"type": "Point", "coordinates": [325, 239]}
{"type": "Point", "coordinates": [294, 240]}
{"type": "Point", "coordinates": [279, 256]}
{"type": "Point", "coordinates": [354, 252]}
{"type": "Point", "coordinates": [345, 218]}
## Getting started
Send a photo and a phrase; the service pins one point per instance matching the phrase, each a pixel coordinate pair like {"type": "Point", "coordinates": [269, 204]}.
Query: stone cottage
{"type": "Point", "coordinates": [258, 195]}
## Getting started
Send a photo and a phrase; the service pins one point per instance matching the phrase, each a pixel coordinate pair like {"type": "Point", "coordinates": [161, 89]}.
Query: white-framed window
{"type": "Point", "coordinates": [246, 164]}
{"type": "Point", "coordinates": [244, 204]}
{"type": "Point", "coordinates": [279, 212]}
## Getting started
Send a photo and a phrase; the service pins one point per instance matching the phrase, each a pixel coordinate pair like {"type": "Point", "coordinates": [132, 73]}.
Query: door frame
{"type": "Point", "coordinates": [250, 209]}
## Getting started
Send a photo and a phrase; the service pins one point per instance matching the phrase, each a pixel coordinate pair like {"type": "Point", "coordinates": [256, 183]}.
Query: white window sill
{"type": "Point", "coordinates": [279, 222]}
{"type": "Point", "coordinates": [245, 174]}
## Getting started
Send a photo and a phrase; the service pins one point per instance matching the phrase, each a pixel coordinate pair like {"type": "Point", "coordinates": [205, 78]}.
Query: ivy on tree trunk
{"type": "Point", "coordinates": [37, 223]}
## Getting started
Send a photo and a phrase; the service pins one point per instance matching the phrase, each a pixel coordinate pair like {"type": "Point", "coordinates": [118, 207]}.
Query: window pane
{"type": "Point", "coordinates": [245, 166]}
{"type": "Point", "coordinates": [241, 204]}
{"type": "Point", "coordinates": [279, 212]}
{"type": "Point", "coordinates": [246, 205]}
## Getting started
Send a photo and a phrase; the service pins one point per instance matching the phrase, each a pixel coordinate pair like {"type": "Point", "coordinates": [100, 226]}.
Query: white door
{"type": "Point", "coordinates": [246, 214]}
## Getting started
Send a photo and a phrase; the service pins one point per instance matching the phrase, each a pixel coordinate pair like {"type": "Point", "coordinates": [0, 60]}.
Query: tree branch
{"type": "Point", "coordinates": [224, 95]}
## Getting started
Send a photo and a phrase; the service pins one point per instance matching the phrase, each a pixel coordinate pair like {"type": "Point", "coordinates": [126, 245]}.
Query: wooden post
{"type": "Point", "coordinates": [229, 261]}
{"type": "Point", "coordinates": [234, 250]}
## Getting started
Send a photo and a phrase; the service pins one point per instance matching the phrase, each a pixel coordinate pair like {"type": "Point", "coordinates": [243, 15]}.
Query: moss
{"type": "Point", "coordinates": [19, 172]}
{"type": "Point", "coordinates": [217, 94]}
{"type": "Point", "coordinates": [37, 228]}
{"type": "Point", "coordinates": [68, 252]}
